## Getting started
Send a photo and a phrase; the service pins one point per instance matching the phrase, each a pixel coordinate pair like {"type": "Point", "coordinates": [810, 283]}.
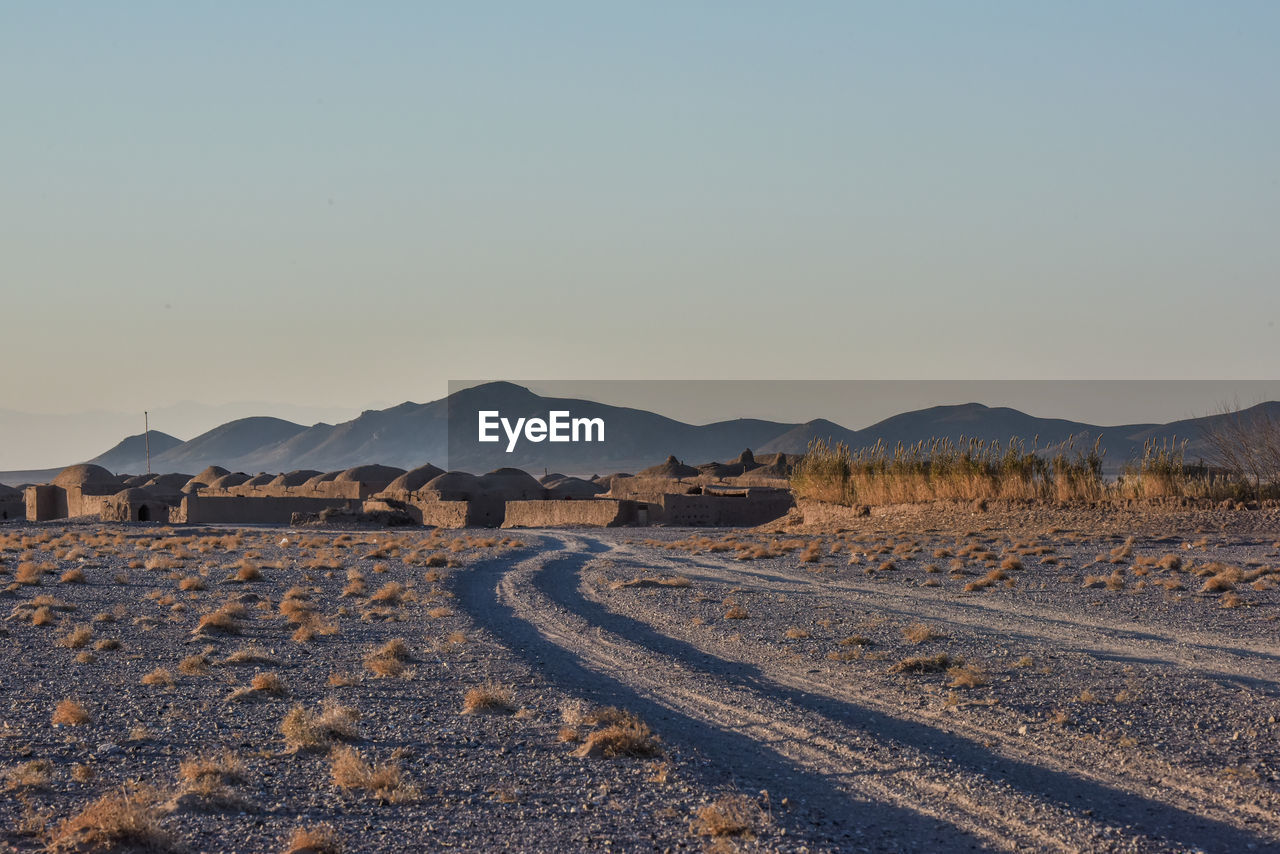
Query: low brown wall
{"type": "Point", "coordinates": [45, 502]}
{"type": "Point", "coordinates": [233, 509]}
{"type": "Point", "coordinates": [593, 512]}
{"type": "Point", "coordinates": [13, 507]}
{"type": "Point", "coordinates": [444, 514]}
{"type": "Point", "coordinates": [723, 511]}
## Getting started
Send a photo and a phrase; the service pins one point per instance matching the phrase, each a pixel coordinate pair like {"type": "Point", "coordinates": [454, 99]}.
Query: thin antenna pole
{"type": "Point", "coordinates": [146, 436]}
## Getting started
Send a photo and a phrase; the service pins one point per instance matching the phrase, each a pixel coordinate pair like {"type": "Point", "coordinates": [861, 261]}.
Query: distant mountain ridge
{"type": "Point", "coordinates": [410, 434]}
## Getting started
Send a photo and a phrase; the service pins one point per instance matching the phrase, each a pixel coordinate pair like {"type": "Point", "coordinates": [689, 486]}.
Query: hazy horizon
{"type": "Point", "coordinates": [44, 441]}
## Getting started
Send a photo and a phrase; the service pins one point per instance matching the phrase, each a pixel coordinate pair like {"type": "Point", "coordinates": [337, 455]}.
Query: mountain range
{"type": "Point", "coordinates": [411, 434]}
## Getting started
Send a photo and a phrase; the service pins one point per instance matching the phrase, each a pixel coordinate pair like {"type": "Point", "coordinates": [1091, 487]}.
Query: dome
{"type": "Point", "coordinates": [85, 474]}
{"type": "Point", "coordinates": [456, 486]}
{"type": "Point", "coordinates": [211, 474]}
{"type": "Point", "coordinates": [512, 484]}
{"type": "Point", "coordinates": [672, 468]}
{"type": "Point", "coordinates": [227, 481]}
{"type": "Point", "coordinates": [573, 487]}
{"type": "Point", "coordinates": [297, 477]}
{"type": "Point", "coordinates": [415, 479]}
{"type": "Point", "coordinates": [374, 476]}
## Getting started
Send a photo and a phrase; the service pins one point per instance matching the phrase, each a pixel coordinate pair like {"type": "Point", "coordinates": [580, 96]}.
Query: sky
{"type": "Point", "coordinates": [335, 206]}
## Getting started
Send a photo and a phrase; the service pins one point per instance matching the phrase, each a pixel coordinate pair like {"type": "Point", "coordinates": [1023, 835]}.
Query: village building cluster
{"type": "Point", "coordinates": [745, 491]}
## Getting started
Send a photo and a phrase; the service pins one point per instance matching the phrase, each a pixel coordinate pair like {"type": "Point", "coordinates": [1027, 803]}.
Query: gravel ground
{"type": "Point", "coordinates": [1107, 682]}
{"type": "Point", "coordinates": [483, 781]}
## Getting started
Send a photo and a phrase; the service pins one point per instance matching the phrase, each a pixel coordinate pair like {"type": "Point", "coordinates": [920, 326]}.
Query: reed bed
{"type": "Point", "coordinates": [976, 470]}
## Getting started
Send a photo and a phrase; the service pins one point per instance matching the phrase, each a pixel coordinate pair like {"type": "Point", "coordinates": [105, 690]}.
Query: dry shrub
{"type": "Point", "coordinates": [988, 580]}
{"type": "Point", "coordinates": [728, 815]}
{"type": "Point", "coordinates": [73, 576]}
{"type": "Point", "coordinates": [78, 638]}
{"type": "Point", "coordinates": [268, 683]}
{"type": "Point", "coordinates": [210, 776]}
{"type": "Point", "coordinates": [920, 633]}
{"type": "Point", "coordinates": [488, 698]}
{"type": "Point", "coordinates": [1123, 552]}
{"type": "Point", "coordinates": [925, 664]}
{"type": "Point", "coordinates": [191, 582]}
{"type": "Point", "coordinates": [304, 729]}
{"type": "Point", "coordinates": [194, 665]}
{"type": "Point", "coordinates": [225, 620]}
{"type": "Point", "coordinates": [736, 612]}
{"type": "Point", "coordinates": [623, 735]}
{"type": "Point", "coordinates": [247, 572]}
{"type": "Point", "coordinates": [966, 677]}
{"type": "Point", "coordinates": [351, 771]}
{"type": "Point", "coordinates": [28, 775]}
{"type": "Point", "coordinates": [159, 677]}
{"type": "Point", "coordinates": [796, 633]}
{"type": "Point", "coordinates": [28, 573]}
{"type": "Point", "coordinates": [390, 593]}
{"type": "Point", "coordinates": [70, 713]}
{"type": "Point", "coordinates": [250, 655]}
{"type": "Point", "coordinates": [127, 821]}
{"type": "Point", "coordinates": [321, 839]}
{"type": "Point", "coordinates": [1223, 580]}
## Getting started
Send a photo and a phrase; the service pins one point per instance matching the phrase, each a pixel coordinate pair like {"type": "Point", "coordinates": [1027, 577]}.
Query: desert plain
{"type": "Point", "coordinates": [1018, 678]}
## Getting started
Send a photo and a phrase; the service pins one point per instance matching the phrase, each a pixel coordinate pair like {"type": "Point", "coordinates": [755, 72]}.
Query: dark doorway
{"type": "Point", "coordinates": [144, 514]}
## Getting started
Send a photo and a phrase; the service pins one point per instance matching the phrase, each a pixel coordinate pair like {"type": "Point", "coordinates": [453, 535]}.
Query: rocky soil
{"type": "Point", "coordinates": [1071, 681]}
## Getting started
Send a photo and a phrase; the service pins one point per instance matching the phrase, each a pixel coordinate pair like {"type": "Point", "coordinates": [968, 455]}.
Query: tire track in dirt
{"type": "Point", "coordinates": [821, 810]}
{"type": "Point", "coordinates": [1199, 817]}
{"type": "Point", "coordinates": [855, 763]}
{"type": "Point", "coordinates": [1254, 663]}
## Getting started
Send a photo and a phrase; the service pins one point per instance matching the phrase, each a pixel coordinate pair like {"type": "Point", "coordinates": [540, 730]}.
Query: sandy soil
{"type": "Point", "coordinates": [1093, 693]}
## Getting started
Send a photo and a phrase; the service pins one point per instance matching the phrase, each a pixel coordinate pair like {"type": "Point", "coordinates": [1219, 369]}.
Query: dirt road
{"type": "Point", "coordinates": [891, 761]}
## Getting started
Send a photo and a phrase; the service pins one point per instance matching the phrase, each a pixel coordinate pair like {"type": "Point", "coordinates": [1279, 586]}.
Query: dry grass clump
{"type": "Point", "coordinates": [28, 775]}
{"type": "Point", "coordinates": [988, 580]}
{"type": "Point", "coordinates": [246, 572]}
{"type": "Point", "coordinates": [304, 729]}
{"type": "Point", "coordinates": [28, 573]}
{"type": "Point", "coordinates": [736, 612]}
{"type": "Point", "coordinates": [125, 821]}
{"type": "Point", "coordinates": [355, 583]}
{"type": "Point", "coordinates": [211, 776]}
{"type": "Point", "coordinates": [920, 633]}
{"type": "Point", "coordinates": [390, 593]}
{"type": "Point", "coordinates": [321, 839]}
{"type": "Point", "coordinates": [488, 699]}
{"type": "Point", "coordinates": [160, 677]}
{"type": "Point", "coordinates": [1223, 579]}
{"type": "Point", "coordinates": [729, 816]}
{"type": "Point", "coordinates": [194, 665]}
{"type": "Point", "coordinates": [224, 620]}
{"type": "Point", "coordinates": [77, 638]}
{"type": "Point", "coordinates": [250, 655]}
{"type": "Point", "coordinates": [68, 712]}
{"type": "Point", "coordinates": [620, 733]}
{"type": "Point", "coordinates": [350, 771]}
{"type": "Point", "coordinates": [72, 576]}
{"type": "Point", "coordinates": [261, 684]}
{"type": "Point", "coordinates": [966, 677]}
{"type": "Point", "coordinates": [925, 664]}
{"type": "Point", "coordinates": [796, 633]}
{"type": "Point", "coordinates": [191, 582]}
{"type": "Point", "coordinates": [388, 660]}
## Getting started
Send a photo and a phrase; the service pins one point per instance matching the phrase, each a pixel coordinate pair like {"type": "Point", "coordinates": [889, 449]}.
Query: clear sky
{"type": "Point", "coordinates": [340, 205]}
